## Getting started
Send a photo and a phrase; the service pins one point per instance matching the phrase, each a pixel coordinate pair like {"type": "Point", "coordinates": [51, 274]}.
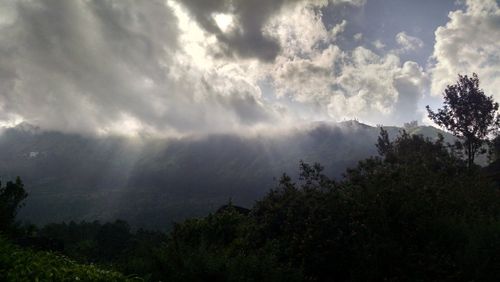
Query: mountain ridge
{"type": "Point", "coordinates": [75, 177]}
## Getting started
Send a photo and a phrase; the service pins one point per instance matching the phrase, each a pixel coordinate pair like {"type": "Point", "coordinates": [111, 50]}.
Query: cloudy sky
{"type": "Point", "coordinates": [181, 67]}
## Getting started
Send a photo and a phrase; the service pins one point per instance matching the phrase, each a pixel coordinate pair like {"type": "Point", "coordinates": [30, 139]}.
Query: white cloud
{"type": "Point", "coordinates": [314, 71]}
{"type": "Point", "coordinates": [378, 88]}
{"type": "Point", "coordinates": [408, 43]}
{"type": "Point", "coordinates": [469, 42]}
{"type": "Point", "coordinates": [378, 44]}
{"type": "Point", "coordinates": [299, 30]}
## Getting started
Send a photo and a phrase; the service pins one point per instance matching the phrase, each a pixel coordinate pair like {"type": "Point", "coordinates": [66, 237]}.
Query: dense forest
{"type": "Point", "coordinates": [420, 210]}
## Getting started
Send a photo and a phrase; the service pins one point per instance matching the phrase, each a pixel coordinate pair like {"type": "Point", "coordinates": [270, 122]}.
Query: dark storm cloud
{"type": "Point", "coordinates": [108, 66]}
{"type": "Point", "coordinates": [76, 58]}
{"type": "Point", "coordinates": [248, 39]}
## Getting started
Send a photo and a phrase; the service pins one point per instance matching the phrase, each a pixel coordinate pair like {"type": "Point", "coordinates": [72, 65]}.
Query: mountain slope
{"type": "Point", "coordinates": [156, 181]}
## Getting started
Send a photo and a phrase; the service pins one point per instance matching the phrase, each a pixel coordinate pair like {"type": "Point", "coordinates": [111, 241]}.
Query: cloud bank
{"type": "Point", "coordinates": [112, 66]}
{"type": "Point", "coordinates": [204, 66]}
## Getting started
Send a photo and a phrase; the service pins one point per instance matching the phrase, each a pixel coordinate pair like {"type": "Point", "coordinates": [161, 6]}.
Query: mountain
{"type": "Point", "coordinates": [153, 182]}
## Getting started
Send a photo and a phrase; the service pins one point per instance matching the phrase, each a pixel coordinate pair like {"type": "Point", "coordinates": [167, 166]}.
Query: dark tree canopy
{"type": "Point", "coordinates": [11, 198]}
{"type": "Point", "coordinates": [494, 150]}
{"type": "Point", "coordinates": [468, 114]}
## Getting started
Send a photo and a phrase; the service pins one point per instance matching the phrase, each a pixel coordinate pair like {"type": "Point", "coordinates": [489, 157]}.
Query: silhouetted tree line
{"type": "Point", "coordinates": [418, 211]}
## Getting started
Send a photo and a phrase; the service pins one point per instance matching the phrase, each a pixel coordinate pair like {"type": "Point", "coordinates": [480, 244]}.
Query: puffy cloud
{"type": "Point", "coordinates": [377, 88]}
{"type": "Point", "coordinates": [302, 66]}
{"type": "Point", "coordinates": [300, 30]}
{"type": "Point", "coordinates": [469, 42]}
{"type": "Point", "coordinates": [314, 71]}
{"type": "Point", "coordinates": [410, 82]}
{"type": "Point", "coordinates": [378, 44]}
{"type": "Point", "coordinates": [408, 43]}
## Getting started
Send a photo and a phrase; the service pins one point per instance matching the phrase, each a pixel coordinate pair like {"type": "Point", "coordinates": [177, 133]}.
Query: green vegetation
{"type": "Point", "coordinates": [18, 265]}
{"type": "Point", "coordinates": [112, 244]}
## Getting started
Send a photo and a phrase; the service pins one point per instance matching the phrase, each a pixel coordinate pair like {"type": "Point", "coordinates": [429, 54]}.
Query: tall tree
{"type": "Point", "coordinates": [11, 198]}
{"type": "Point", "coordinates": [468, 114]}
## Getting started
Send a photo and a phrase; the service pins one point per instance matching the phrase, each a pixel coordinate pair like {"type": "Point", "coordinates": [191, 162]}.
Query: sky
{"type": "Point", "coordinates": [174, 68]}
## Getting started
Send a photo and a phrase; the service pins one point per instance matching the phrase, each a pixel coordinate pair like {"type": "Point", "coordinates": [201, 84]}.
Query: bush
{"type": "Point", "coordinates": [17, 264]}
{"type": "Point", "coordinates": [216, 248]}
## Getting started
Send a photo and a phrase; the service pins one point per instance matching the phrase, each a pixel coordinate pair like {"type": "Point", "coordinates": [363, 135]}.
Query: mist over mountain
{"type": "Point", "coordinates": [154, 182]}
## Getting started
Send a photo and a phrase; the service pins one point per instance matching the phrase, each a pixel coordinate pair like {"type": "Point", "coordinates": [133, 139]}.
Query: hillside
{"type": "Point", "coordinates": [155, 182]}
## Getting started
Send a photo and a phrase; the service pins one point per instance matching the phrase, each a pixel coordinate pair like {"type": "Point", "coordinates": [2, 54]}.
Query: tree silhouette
{"type": "Point", "coordinates": [468, 114]}
{"type": "Point", "coordinates": [11, 198]}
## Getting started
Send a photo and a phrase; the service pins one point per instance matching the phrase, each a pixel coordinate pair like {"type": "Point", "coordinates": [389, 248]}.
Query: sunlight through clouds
{"type": "Point", "coordinates": [224, 21]}
{"type": "Point", "coordinates": [183, 67]}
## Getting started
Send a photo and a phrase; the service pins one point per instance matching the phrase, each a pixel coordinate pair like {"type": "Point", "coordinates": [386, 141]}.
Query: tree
{"type": "Point", "coordinates": [468, 114]}
{"type": "Point", "coordinates": [410, 125]}
{"type": "Point", "coordinates": [11, 198]}
{"type": "Point", "coordinates": [112, 239]}
{"type": "Point", "coordinates": [494, 150]}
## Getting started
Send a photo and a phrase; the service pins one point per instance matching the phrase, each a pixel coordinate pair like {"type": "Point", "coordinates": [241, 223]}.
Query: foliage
{"type": "Point", "coordinates": [410, 125]}
{"type": "Point", "coordinates": [112, 244]}
{"type": "Point", "coordinates": [18, 265]}
{"type": "Point", "coordinates": [467, 113]}
{"type": "Point", "coordinates": [218, 248]}
{"type": "Point", "coordinates": [215, 246]}
{"type": "Point", "coordinates": [411, 214]}
{"type": "Point", "coordinates": [494, 149]}
{"type": "Point", "coordinates": [416, 212]}
{"type": "Point", "coordinates": [11, 198]}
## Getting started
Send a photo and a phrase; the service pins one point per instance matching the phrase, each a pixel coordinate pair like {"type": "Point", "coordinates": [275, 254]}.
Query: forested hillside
{"type": "Point", "coordinates": [153, 182]}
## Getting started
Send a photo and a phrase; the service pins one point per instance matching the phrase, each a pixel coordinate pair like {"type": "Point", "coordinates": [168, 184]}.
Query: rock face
{"type": "Point", "coordinates": [155, 182]}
